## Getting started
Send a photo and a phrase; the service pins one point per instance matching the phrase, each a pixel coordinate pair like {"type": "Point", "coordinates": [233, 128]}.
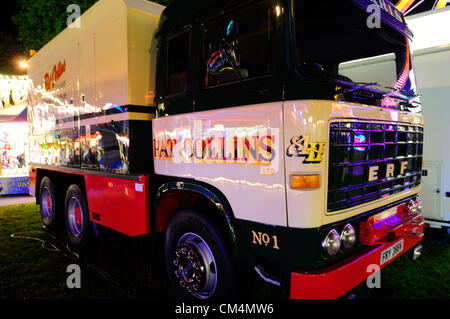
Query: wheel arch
{"type": "Point", "coordinates": [174, 196]}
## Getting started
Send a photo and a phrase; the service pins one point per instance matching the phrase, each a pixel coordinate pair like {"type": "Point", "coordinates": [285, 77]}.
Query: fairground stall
{"type": "Point", "coordinates": [13, 135]}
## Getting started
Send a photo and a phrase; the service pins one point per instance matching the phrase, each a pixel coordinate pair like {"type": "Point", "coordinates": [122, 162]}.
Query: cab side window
{"type": "Point", "coordinates": [236, 46]}
{"type": "Point", "coordinates": [178, 63]}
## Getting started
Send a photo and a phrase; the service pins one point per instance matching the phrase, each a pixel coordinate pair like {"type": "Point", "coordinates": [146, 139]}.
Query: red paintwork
{"type": "Point", "coordinates": [32, 181]}
{"type": "Point", "coordinates": [78, 215]}
{"type": "Point", "coordinates": [338, 279]}
{"type": "Point", "coordinates": [371, 233]}
{"type": "Point", "coordinates": [49, 202]}
{"type": "Point", "coordinates": [120, 206]}
{"type": "Point", "coordinates": [115, 200]}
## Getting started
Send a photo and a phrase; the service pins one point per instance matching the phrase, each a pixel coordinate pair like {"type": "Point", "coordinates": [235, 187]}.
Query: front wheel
{"type": "Point", "coordinates": [197, 258]}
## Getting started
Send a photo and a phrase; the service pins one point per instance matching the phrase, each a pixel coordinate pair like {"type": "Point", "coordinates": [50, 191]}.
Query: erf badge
{"type": "Point", "coordinates": [300, 146]}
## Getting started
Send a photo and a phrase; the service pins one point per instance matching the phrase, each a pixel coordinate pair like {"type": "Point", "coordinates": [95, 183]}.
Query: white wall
{"type": "Point", "coordinates": [431, 46]}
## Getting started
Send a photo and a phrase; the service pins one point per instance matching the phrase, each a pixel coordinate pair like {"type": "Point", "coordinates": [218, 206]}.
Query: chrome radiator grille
{"type": "Point", "coordinates": [372, 160]}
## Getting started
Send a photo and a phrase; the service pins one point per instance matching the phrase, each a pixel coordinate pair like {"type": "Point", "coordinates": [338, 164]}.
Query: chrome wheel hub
{"type": "Point", "coordinates": [46, 202]}
{"type": "Point", "coordinates": [195, 267]}
{"type": "Point", "coordinates": [75, 216]}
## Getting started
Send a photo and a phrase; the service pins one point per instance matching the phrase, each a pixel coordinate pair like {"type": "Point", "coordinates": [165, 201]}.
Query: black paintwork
{"type": "Point", "coordinates": [217, 199]}
{"type": "Point", "coordinates": [285, 81]}
{"type": "Point", "coordinates": [299, 248]}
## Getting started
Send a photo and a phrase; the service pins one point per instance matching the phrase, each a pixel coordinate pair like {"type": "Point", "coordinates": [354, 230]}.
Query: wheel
{"type": "Point", "coordinates": [197, 259]}
{"type": "Point", "coordinates": [78, 225]}
{"type": "Point", "coordinates": [47, 203]}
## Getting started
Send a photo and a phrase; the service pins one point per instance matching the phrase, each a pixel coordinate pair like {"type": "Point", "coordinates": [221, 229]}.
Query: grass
{"type": "Point", "coordinates": [425, 278]}
{"type": "Point", "coordinates": [119, 267]}
{"type": "Point", "coordinates": [112, 268]}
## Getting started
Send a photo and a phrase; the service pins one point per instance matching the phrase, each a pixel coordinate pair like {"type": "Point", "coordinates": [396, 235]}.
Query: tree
{"type": "Point", "coordinates": [39, 21]}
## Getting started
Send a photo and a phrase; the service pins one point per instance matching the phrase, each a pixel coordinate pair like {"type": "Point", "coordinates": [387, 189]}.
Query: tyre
{"type": "Point", "coordinates": [197, 258]}
{"type": "Point", "coordinates": [47, 204]}
{"type": "Point", "coordinates": [78, 224]}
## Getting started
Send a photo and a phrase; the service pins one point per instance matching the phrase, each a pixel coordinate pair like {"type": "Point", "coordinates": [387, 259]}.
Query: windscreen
{"type": "Point", "coordinates": [350, 44]}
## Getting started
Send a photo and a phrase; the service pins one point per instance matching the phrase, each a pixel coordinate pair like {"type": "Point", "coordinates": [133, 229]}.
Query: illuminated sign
{"type": "Point", "coordinates": [14, 185]}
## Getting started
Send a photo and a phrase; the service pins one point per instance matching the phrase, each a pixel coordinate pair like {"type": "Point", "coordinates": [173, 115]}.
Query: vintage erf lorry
{"type": "Point", "coordinates": [253, 134]}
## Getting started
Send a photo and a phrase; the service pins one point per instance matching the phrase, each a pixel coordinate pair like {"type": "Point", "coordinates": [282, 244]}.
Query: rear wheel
{"type": "Point", "coordinates": [78, 225]}
{"type": "Point", "coordinates": [197, 258]}
{"type": "Point", "coordinates": [47, 203]}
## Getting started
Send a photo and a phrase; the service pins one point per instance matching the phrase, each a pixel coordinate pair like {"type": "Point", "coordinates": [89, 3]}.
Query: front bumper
{"type": "Point", "coordinates": [336, 280]}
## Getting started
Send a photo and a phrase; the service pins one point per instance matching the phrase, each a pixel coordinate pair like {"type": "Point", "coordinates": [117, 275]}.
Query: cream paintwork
{"type": "Point", "coordinates": [308, 209]}
{"type": "Point", "coordinates": [252, 196]}
{"type": "Point", "coordinates": [262, 198]}
{"type": "Point", "coordinates": [110, 60]}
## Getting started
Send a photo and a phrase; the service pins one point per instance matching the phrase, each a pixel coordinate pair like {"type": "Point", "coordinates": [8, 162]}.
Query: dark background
{"type": "Point", "coordinates": [30, 24]}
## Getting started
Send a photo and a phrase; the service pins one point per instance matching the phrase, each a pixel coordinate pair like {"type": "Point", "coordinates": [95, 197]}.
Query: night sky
{"type": "Point", "coordinates": [11, 7]}
{"type": "Point", "coordinates": [8, 9]}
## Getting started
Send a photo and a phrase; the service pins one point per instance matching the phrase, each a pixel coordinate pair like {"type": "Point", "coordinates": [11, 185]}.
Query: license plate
{"type": "Point", "coordinates": [391, 252]}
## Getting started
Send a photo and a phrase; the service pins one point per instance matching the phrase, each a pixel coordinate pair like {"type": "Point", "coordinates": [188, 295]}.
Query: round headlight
{"type": "Point", "coordinates": [412, 207]}
{"type": "Point", "coordinates": [348, 237]}
{"type": "Point", "coordinates": [332, 243]}
{"type": "Point", "coordinates": [419, 205]}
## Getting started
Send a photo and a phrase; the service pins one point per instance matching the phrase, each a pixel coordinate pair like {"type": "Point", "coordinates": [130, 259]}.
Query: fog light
{"type": "Point", "coordinates": [412, 207]}
{"type": "Point", "coordinates": [348, 237]}
{"type": "Point", "coordinates": [332, 243]}
{"type": "Point", "coordinates": [419, 205]}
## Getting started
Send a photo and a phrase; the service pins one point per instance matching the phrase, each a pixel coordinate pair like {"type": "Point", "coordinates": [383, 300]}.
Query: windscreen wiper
{"type": "Point", "coordinates": [395, 93]}
{"type": "Point", "coordinates": [355, 86]}
{"type": "Point", "coordinates": [404, 92]}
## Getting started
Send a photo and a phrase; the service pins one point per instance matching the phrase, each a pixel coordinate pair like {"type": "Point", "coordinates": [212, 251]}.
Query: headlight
{"type": "Point", "coordinates": [412, 207]}
{"type": "Point", "coordinates": [419, 205]}
{"type": "Point", "coordinates": [348, 237]}
{"type": "Point", "coordinates": [332, 243]}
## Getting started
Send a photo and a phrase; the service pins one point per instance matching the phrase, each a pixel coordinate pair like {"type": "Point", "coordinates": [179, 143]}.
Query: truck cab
{"type": "Point", "coordinates": [273, 104]}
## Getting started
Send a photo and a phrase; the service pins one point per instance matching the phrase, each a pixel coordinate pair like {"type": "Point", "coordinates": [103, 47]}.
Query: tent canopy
{"type": "Point", "coordinates": [14, 113]}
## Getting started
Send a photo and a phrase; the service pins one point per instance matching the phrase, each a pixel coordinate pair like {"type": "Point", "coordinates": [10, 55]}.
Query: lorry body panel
{"type": "Point", "coordinates": [240, 155]}
{"type": "Point", "coordinates": [127, 205]}
{"type": "Point", "coordinates": [93, 90]}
